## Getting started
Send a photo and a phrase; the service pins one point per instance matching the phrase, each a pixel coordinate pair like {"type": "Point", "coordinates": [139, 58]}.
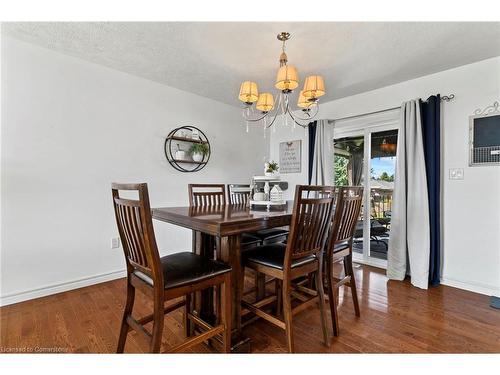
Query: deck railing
{"type": "Point", "coordinates": [381, 203]}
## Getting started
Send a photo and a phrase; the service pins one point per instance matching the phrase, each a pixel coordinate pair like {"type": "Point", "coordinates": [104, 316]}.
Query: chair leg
{"type": "Point", "coordinates": [226, 313]}
{"type": "Point", "coordinates": [350, 271]}
{"type": "Point", "coordinates": [279, 300]}
{"type": "Point", "coordinates": [129, 305]}
{"type": "Point", "coordinates": [332, 299]}
{"type": "Point", "coordinates": [187, 322]}
{"type": "Point", "coordinates": [287, 312]}
{"type": "Point", "coordinates": [158, 321]}
{"type": "Point", "coordinates": [321, 295]}
{"type": "Point", "coordinates": [217, 303]}
{"type": "Point", "coordinates": [260, 286]}
{"type": "Point", "coordinates": [310, 281]}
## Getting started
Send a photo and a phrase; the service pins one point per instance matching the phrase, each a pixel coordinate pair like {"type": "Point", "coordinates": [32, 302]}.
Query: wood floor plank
{"type": "Point", "coordinates": [395, 318]}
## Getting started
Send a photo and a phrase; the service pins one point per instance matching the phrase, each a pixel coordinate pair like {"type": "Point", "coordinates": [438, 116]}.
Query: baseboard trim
{"type": "Point", "coordinates": [26, 295]}
{"type": "Point", "coordinates": [488, 290]}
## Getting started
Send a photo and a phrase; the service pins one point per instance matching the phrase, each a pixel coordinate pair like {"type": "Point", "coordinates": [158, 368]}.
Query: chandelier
{"type": "Point", "coordinates": [287, 80]}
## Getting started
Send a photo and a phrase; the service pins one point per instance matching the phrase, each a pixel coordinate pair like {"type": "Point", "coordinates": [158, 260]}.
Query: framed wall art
{"type": "Point", "coordinates": [290, 156]}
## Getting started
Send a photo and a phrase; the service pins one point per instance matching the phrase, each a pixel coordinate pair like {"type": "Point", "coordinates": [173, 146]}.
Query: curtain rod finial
{"type": "Point", "coordinates": [447, 98]}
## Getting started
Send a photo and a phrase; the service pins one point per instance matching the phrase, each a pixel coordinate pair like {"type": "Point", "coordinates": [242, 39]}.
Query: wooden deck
{"type": "Point", "coordinates": [395, 318]}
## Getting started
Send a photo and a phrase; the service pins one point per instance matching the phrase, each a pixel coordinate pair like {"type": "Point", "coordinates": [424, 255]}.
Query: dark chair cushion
{"type": "Point", "coordinates": [273, 255]}
{"type": "Point", "coordinates": [186, 268]}
{"type": "Point", "coordinates": [249, 242]}
{"type": "Point", "coordinates": [340, 246]}
{"type": "Point", "coordinates": [248, 239]}
{"type": "Point", "coordinates": [272, 235]}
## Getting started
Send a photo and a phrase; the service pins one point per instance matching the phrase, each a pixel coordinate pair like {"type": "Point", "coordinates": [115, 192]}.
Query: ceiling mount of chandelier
{"type": "Point", "coordinates": [287, 79]}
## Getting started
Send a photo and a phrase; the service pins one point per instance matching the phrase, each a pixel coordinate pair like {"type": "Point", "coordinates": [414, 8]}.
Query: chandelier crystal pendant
{"type": "Point", "coordinates": [287, 80]}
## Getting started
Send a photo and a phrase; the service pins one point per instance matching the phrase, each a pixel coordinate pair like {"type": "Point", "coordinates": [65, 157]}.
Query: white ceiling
{"type": "Point", "coordinates": [211, 59]}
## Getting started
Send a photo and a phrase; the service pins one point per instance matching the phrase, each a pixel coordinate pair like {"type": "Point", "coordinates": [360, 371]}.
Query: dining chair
{"type": "Point", "coordinates": [164, 278]}
{"type": "Point", "coordinates": [212, 197]}
{"type": "Point", "coordinates": [339, 248]}
{"type": "Point", "coordinates": [301, 256]}
{"type": "Point", "coordinates": [207, 194]}
{"type": "Point", "coordinates": [240, 194]}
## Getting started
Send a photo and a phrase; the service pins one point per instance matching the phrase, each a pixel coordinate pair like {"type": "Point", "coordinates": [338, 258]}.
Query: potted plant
{"type": "Point", "coordinates": [271, 169]}
{"type": "Point", "coordinates": [198, 151]}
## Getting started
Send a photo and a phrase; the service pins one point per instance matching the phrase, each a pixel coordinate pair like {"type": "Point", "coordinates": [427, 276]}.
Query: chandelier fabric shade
{"type": "Point", "coordinates": [265, 102]}
{"type": "Point", "coordinates": [303, 102]}
{"type": "Point", "coordinates": [248, 92]}
{"type": "Point", "coordinates": [314, 87]}
{"type": "Point", "coordinates": [287, 78]}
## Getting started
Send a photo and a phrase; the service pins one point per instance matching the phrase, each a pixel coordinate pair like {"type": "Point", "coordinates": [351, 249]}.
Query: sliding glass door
{"type": "Point", "coordinates": [365, 155]}
{"type": "Point", "coordinates": [349, 160]}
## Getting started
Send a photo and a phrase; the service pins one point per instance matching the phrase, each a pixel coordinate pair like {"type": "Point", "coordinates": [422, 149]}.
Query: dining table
{"type": "Point", "coordinates": [217, 233]}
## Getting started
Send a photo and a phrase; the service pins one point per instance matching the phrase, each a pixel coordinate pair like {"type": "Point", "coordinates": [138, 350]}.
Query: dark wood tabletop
{"type": "Point", "coordinates": [227, 220]}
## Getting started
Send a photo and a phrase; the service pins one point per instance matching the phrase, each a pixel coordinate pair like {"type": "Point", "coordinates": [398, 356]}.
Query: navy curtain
{"type": "Point", "coordinates": [312, 140]}
{"type": "Point", "coordinates": [431, 133]}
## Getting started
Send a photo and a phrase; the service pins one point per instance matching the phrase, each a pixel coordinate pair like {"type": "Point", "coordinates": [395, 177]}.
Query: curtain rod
{"type": "Point", "coordinates": [445, 98]}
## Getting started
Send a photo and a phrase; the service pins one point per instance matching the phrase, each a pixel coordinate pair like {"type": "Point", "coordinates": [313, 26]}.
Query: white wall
{"type": "Point", "coordinates": [471, 208]}
{"type": "Point", "coordinates": [70, 128]}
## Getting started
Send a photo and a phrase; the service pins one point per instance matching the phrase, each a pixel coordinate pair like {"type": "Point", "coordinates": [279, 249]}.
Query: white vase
{"type": "Point", "coordinates": [259, 197]}
{"type": "Point", "coordinates": [198, 157]}
{"type": "Point", "coordinates": [180, 155]}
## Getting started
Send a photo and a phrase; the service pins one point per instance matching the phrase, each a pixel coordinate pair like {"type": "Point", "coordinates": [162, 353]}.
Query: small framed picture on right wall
{"type": "Point", "coordinates": [484, 136]}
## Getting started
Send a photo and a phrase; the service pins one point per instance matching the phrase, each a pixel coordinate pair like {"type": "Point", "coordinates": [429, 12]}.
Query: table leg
{"type": "Point", "coordinates": [229, 251]}
{"type": "Point", "coordinates": [203, 302]}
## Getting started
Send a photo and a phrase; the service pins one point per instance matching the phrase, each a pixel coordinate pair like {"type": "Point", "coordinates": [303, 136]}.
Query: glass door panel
{"type": "Point", "coordinates": [367, 157]}
{"type": "Point", "coordinates": [382, 171]}
{"type": "Point", "coordinates": [349, 163]}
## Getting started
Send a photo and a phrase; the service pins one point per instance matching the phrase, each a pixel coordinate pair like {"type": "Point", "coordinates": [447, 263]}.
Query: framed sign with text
{"type": "Point", "coordinates": [290, 156]}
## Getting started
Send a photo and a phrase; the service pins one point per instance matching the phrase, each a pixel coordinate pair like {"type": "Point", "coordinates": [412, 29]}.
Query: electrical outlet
{"type": "Point", "coordinates": [456, 174]}
{"type": "Point", "coordinates": [115, 242]}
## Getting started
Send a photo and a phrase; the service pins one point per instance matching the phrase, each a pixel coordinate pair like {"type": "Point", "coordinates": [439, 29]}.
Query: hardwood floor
{"type": "Point", "coordinates": [395, 318]}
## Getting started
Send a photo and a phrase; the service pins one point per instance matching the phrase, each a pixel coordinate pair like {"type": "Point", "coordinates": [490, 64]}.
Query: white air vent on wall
{"type": "Point", "coordinates": [484, 127]}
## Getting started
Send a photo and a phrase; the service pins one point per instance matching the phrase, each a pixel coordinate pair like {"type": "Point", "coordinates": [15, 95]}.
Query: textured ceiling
{"type": "Point", "coordinates": [211, 59]}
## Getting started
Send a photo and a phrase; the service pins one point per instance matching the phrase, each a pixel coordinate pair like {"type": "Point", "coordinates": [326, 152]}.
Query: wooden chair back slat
{"type": "Point", "coordinates": [238, 194]}
{"type": "Point", "coordinates": [347, 210]}
{"type": "Point", "coordinates": [310, 221]}
{"type": "Point", "coordinates": [207, 195]}
{"type": "Point", "coordinates": [135, 225]}
{"type": "Point", "coordinates": [129, 220]}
